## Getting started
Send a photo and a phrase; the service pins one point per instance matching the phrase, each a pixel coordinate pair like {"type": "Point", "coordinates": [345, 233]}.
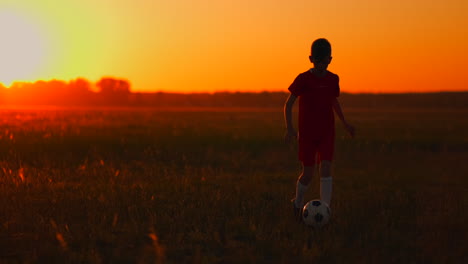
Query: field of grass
{"type": "Point", "coordinates": [213, 186]}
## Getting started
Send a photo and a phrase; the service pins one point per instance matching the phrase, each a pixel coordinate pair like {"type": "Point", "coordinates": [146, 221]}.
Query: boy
{"type": "Point", "coordinates": [317, 90]}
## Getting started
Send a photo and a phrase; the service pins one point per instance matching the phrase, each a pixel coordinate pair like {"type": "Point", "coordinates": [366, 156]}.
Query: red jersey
{"type": "Point", "coordinates": [316, 96]}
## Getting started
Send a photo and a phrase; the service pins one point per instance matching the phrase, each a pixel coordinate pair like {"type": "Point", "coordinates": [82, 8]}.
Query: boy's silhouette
{"type": "Point", "coordinates": [317, 90]}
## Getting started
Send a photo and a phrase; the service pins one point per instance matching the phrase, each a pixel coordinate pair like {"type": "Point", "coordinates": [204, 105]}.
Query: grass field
{"type": "Point", "coordinates": [213, 186]}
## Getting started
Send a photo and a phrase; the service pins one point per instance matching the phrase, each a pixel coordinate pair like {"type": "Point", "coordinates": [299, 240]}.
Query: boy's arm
{"type": "Point", "coordinates": [290, 131]}
{"type": "Point", "coordinates": [339, 113]}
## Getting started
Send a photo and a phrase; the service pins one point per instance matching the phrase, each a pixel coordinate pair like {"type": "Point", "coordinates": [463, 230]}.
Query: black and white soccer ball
{"type": "Point", "coordinates": [316, 213]}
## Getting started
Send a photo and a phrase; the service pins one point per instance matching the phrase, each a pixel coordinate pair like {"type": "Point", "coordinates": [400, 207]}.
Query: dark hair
{"type": "Point", "coordinates": [321, 48]}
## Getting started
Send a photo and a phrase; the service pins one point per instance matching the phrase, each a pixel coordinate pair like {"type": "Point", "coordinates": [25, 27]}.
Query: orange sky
{"type": "Point", "coordinates": [236, 45]}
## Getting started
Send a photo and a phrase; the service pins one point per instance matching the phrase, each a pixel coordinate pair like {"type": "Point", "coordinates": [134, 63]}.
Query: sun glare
{"type": "Point", "coordinates": [22, 48]}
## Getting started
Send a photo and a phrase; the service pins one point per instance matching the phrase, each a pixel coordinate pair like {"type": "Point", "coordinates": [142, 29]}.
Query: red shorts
{"type": "Point", "coordinates": [313, 151]}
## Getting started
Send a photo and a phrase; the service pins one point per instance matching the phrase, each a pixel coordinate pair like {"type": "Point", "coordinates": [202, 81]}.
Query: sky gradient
{"type": "Point", "coordinates": [238, 45]}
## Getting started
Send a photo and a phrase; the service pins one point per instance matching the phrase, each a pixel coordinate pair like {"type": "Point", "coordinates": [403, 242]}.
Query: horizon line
{"type": "Point", "coordinates": [286, 92]}
{"type": "Point", "coordinates": [220, 91]}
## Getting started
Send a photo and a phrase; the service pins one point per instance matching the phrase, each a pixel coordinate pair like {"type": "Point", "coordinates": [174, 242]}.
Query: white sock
{"type": "Point", "coordinates": [300, 191]}
{"type": "Point", "coordinates": [326, 189]}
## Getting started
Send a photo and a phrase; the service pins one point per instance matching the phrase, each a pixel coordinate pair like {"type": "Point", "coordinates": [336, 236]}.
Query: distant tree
{"type": "Point", "coordinates": [79, 86]}
{"type": "Point", "coordinates": [78, 91]}
{"type": "Point", "coordinates": [113, 91]}
{"type": "Point", "coordinates": [113, 86]}
{"type": "Point", "coordinates": [57, 85]}
{"type": "Point", "coordinates": [17, 85]}
{"type": "Point", "coordinates": [43, 92]}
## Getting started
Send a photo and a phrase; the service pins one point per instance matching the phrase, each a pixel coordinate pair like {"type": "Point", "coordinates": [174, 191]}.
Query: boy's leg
{"type": "Point", "coordinates": [302, 185]}
{"type": "Point", "coordinates": [325, 181]}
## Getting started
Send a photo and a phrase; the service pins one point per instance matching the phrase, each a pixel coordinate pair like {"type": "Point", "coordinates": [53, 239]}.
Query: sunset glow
{"type": "Point", "coordinates": [22, 49]}
{"type": "Point", "coordinates": [208, 46]}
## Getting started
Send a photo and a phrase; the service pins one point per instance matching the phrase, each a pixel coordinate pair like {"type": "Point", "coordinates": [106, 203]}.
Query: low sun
{"type": "Point", "coordinates": [22, 49]}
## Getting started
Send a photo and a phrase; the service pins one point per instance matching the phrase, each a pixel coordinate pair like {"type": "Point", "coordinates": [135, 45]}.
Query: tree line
{"type": "Point", "coordinates": [111, 91]}
{"type": "Point", "coordinates": [80, 91]}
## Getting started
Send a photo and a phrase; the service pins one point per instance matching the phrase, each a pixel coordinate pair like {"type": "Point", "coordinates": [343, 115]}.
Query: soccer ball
{"type": "Point", "coordinates": [316, 213]}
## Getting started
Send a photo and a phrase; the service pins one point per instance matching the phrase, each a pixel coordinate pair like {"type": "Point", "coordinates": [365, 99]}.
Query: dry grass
{"type": "Point", "coordinates": [154, 186]}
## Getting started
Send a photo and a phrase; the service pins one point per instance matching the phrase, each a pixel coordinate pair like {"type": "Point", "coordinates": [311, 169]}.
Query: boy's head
{"type": "Point", "coordinates": [320, 54]}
